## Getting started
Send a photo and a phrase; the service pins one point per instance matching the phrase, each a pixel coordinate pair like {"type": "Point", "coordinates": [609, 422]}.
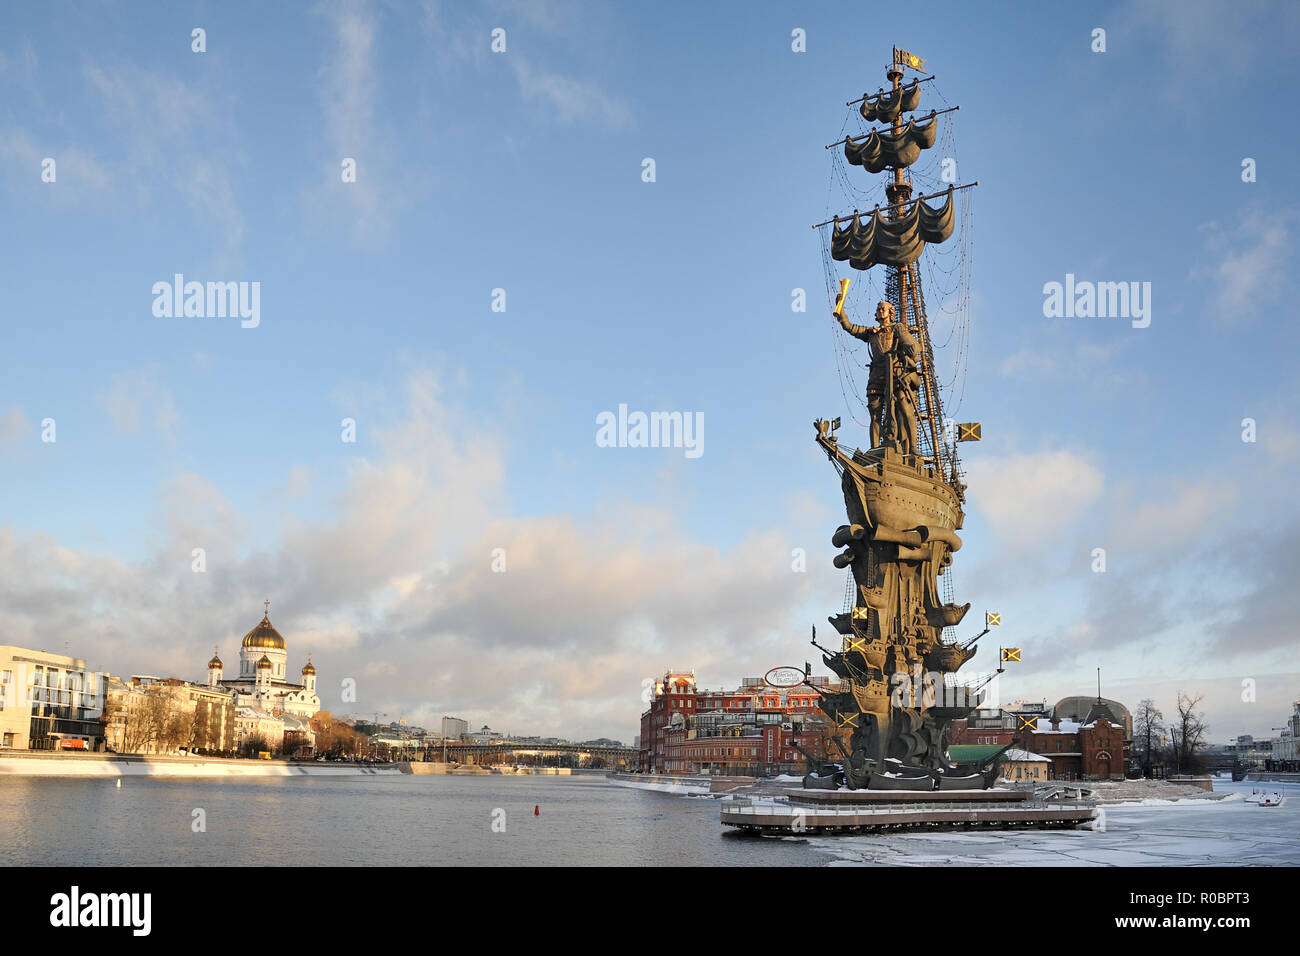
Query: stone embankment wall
{"type": "Point", "coordinates": [44, 764]}
{"type": "Point", "coordinates": [437, 767]}
{"type": "Point", "coordinates": [680, 782]}
{"type": "Point", "coordinates": [1271, 776]}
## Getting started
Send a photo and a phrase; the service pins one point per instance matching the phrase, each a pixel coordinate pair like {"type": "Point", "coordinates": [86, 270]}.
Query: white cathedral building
{"type": "Point", "coordinates": [262, 685]}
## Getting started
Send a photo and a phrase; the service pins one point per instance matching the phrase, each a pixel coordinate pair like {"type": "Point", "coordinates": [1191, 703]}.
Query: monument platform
{"type": "Point", "coordinates": [864, 811]}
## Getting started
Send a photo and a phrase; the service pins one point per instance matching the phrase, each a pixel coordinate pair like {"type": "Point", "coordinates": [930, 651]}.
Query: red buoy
{"type": "Point", "coordinates": [537, 811]}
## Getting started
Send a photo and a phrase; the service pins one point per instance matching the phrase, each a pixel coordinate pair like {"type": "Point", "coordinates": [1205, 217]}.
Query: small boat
{"type": "Point", "coordinates": [1271, 800]}
{"type": "Point", "coordinates": [880, 781]}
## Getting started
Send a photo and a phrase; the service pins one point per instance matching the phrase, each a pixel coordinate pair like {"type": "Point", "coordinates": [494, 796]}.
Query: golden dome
{"type": "Point", "coordinates": [216, 661]}
{"type": "Point", "coordinates": [308, 668]}
{"type": "Point", "coordinates": [264, 635]}
{"type": "Point", "coordinates": [264, 662]}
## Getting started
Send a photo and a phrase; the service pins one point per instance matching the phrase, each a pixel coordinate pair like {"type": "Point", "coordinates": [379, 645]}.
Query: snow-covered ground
{"type": "Point", "coordinates": [686, 787]}
{"type": "Point", "coordinates": [1189, 832]}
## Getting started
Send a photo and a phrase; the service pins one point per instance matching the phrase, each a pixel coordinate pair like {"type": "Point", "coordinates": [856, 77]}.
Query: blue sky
{"type": "Point", "coordinates": [476, 429]}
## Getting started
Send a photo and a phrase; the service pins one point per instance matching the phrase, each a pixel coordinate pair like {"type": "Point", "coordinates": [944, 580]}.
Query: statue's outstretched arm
{"type": "Point", "coordinates": [862, 332]}
{"type": "Point", "coordinates": [857, 331]}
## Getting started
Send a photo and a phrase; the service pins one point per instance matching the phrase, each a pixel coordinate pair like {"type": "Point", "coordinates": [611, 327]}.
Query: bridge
{"type": "Point", "coordinates": [488, 755]}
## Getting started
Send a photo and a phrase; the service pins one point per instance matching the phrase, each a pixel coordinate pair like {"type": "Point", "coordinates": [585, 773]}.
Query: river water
{"type": "Point", "coordinates": [449, 820]}
{"type": "Point", "coordinates": [370, 821]}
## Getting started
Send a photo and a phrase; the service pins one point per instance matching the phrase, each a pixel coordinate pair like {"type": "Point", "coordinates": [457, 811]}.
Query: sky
{"type": "Point", "coordinates": [502, 270]}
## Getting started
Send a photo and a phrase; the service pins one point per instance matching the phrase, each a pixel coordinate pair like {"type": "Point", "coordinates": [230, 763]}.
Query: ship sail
{"type": "Point", "coordinates": [879, 150]}
{"type": "Point", "coordinates": [884, 107]}
{"type": "Point", "coordinates": [879, 240]}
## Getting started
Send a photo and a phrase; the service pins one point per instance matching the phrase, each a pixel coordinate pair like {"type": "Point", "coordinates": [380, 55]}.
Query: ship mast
{"type": "Point", "coordinates": [903, 288]}
{"type": "Point", "coordinates": [895, 235]}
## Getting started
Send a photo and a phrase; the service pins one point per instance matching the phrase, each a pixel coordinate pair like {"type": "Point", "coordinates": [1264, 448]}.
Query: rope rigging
{"type": "Point", "coordinates": [946, 272]}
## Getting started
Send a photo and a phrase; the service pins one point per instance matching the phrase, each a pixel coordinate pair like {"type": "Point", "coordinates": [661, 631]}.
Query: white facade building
{"type": "Point", "coordinates": [262, 685]}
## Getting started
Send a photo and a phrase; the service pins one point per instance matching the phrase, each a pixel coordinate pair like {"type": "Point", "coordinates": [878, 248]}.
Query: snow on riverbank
{"type": "Point", "coordinates": [689, 788]}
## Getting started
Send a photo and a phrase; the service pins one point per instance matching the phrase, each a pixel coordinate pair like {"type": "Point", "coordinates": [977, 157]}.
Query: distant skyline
{"type": "Point", "coordinates": [477, 549]}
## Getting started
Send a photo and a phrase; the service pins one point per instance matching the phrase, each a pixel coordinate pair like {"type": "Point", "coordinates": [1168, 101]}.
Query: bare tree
{"type": "Point", "coordinates": [203, 729]}
{"type": "Point", "coordinates": [1187, 733]}
{"type": "Point", "coordinates": [112, 717]}
{"type": "Point", "coordinates": [1147, 729]}
{"type": "Point", "coordinates": [179, 728]}
{"type": "Point", "coordinates": [145, 725]}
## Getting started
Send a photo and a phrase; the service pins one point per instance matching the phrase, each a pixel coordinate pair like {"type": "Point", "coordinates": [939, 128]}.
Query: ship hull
{"type": "Point", "coordinates": [896, 495]}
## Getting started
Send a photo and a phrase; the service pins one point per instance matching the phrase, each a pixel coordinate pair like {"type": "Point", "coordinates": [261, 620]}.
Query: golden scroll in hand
{"type": "Point", "coordinates": [838, 311]}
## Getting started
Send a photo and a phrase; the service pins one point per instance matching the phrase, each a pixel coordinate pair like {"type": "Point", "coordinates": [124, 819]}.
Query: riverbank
{"type": "Point", "coordinates": [1116, 792]}
{"type": "Point", "coordinates": [1272, 776]}
{"type": "Point", "coordinates": [421, 767]}
{"type": "Point", "coordinates": [679, 783]}
{"type": "Point", "coordinates": [38, 764]}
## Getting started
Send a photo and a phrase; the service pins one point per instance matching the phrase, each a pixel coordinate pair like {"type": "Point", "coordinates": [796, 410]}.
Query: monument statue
{"type": "Point", "coordinates": [892, 380]}
{"type": "Point", "coordinates": [903, 496]}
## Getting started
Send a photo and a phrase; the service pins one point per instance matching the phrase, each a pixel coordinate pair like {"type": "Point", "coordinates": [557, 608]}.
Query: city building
{"type": "Point", "coordinates": [1077, 709]}
{"type": "Point", "coordinates": [1014, 764]}
{"type": "Point", "coordinates": [453, 728]}
{"type": "Point", "coordinates": [48, 701]}
{"type": "Point", "coordinates": [753, 730]}
{"type": "Point", "coordinates": [151, 715]}
{"type": "Point", "coordinates": [262, 684]}
{"type": "Point", "coordinates": [1285, 755]}
{"type": "Point", "coordinates": [1098, 747]}
{"type": "Point", "coordinates": [253, 725]}
{"type": "Point", "coordinates": [1096, 750]}
{"type": "Point", "coordinates": [486, 735]}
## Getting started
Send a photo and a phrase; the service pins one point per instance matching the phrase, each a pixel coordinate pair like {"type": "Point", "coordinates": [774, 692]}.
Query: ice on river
{"type": "Point", "coordinates": [1196, 832]}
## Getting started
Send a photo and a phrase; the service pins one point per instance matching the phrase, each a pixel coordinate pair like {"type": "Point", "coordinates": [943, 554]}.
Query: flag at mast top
{"type": "Point", "coordinates": [903, 58]}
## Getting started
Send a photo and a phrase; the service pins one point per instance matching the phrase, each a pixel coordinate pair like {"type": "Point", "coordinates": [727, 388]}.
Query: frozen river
{"type": "Point", "coordinates": [489, 820]}
{"type": "Point", "coordinates": [1227, 832]}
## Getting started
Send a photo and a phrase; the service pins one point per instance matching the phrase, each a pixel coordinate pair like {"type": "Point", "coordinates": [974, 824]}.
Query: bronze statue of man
{"type": "Point", "coordinates": [893, 352]}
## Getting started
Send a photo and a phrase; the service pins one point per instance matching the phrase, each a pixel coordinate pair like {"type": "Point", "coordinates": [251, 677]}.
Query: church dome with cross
{"type": "Point", "coordinates": [263, 642]}
{"type": "Point", "coordinates": [262, 682]}
{"type": "Point", "coordinates": [264, 635]}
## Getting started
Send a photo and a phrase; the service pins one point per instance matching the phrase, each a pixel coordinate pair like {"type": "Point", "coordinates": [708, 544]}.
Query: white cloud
{"type": "Point", "coordinates": [176, 135]}
{"type": "Point", "coordinates": [1027, 498]}
{"type": "Point", "coordinates": [1183, 32]}
{"type": "Point", "coordinates": [136, 395]}
{"type": "Point", "coordinates": [570, 100]}
{"type": "Point", "coordinates": [14, 426]}
{"type": "Point", "coordinates": [1282, 444]}
{"type": "Point", "coordinates": [1179, 513]}
{"type": "Point", "coordinates": [1251, 267]}
{"type": "Point", "coordinates": [562, 97]}
{"type": "Point", "coordinates": [1038, 363]}
{"type": "Point", "coordinates": [77, 172]}
{"type": "Point", "coordinates": [349, 90]}
{"type": "Point", "coordinates": [396, 588]}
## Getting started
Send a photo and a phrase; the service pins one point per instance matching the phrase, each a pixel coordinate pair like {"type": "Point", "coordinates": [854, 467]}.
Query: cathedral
{"type": "Point", "coordinates": [262, 685]}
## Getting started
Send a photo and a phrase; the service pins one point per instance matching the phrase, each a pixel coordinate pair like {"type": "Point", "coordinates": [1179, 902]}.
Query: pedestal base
{"type": "Point", "coordinates": [859, 811]}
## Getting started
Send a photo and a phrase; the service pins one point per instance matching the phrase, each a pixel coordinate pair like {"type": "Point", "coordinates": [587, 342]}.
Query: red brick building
{"type": "Point", "coordinates": [1095, 748]}
{"type": "Point", "coordinates": [748, 731]}
{"type": "Point", "coordinates": [674, 698]}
